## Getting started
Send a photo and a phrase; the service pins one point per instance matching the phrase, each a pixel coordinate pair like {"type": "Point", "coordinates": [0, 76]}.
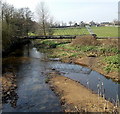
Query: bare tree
{"type": "Point", "coordinates": [70, 22]}
{"type": "Point", "coordinates": [45, 20]}
{"type": "Point", "coordinates": [116, 22]}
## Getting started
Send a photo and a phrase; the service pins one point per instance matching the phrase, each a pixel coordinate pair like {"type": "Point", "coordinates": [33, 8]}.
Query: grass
{"type": "Point", "coordinates": [32, 34]}
{"type": "Point", "coordinates": [99, 31]}
{"type": "Point", "coordinates": [106, 31]}
{"type": "Point", "coordinates": [112, 63]}
{"type": "Point", "coordinates": [70, 31]}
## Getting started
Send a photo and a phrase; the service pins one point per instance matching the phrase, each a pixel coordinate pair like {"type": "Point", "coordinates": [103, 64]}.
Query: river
{"type": "Point", "coordinates": [34, 95]}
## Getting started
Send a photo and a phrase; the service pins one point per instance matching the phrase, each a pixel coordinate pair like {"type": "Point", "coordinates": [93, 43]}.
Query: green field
{"type": "Point", "coordinates": [70, 31]}
{"type": "Point", "coordinates": [100, 31]}
{"type": "Point", "coordinates": [106, 31]}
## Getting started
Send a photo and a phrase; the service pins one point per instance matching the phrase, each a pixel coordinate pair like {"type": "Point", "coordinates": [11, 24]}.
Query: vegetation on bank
{"type": "Point", "coordinates": [113, 63]}
{"type": "Point", "coordinates": [106, 50]}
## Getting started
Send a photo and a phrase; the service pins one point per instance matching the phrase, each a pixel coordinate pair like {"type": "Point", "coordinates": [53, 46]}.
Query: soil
{"type": "Point", "coordinates": [96, 64]}
{"type": "Point", "coordinates": [9, 86]}
{"type": "Point", "coordinates": [77, 98]}
{"type": "Point", "coordinates": [93, 63]}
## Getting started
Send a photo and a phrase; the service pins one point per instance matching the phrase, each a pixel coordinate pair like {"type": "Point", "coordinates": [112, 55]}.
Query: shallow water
{"type": "Point", "coordinates": [89, 78]}
{"type": "Point", "coordinates": [34, 95]}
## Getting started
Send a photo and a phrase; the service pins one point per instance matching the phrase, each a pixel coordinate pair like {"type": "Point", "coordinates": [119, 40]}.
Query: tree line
{"type": "Point", "coordinates": [15, 22]}
{"type": "Point", "coordinates": [19, 22]}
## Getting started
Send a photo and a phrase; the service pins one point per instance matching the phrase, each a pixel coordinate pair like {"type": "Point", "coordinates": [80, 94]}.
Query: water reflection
{"type": "Point", "coordinates": [34, 95]}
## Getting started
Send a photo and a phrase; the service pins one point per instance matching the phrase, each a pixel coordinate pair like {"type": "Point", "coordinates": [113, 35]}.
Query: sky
{"type": "Point", "coordinates": [74, 10]}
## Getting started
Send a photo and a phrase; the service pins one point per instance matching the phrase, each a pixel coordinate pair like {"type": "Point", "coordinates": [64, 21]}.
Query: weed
{"type": "Point", "coordinates": [112, 63]}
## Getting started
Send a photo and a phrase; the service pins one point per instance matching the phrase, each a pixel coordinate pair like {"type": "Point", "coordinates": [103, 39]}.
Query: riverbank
{"type": "Point", "coordinates": [77, 98]}
{"type": "Point", "coordinates": [99, 55]}
{"type": "Point", "coordinates": [8, 88]}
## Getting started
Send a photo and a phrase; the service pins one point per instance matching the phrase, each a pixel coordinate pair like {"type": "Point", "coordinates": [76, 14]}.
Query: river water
{"type": "Point", "coordinates": [34, 95]}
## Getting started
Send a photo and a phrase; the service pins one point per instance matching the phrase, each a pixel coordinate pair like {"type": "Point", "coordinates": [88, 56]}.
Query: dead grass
{"type": "Point", "coordinates": [109, 42]}
{"type": "Point", "coordinates": [89, 40]}
{"type": "Point", "coordinates": [85, 40]}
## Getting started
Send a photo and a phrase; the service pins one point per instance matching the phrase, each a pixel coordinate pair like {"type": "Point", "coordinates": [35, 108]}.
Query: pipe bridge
{"type": "Point", "coordinates": [51, 37]}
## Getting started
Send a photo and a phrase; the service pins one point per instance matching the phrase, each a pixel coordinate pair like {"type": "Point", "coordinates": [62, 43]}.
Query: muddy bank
{"type": "Point", "coordinates": [9, 86]}
{"type": "Point", "coordinates": [77, 98]}
{"type": "Point", "coordinates": [93, 63]}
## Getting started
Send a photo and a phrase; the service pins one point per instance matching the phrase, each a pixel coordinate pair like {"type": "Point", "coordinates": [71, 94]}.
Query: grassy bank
{"type": "Point", "coordinates": [100, 55]}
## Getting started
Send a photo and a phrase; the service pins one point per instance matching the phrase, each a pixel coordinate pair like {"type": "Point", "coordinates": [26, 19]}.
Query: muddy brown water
{"type": "Point", "coordinates": [34, 95]}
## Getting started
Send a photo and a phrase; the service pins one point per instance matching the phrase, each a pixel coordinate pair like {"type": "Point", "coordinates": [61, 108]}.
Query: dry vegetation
{"type": "Point", "coordinates": [85, 40]}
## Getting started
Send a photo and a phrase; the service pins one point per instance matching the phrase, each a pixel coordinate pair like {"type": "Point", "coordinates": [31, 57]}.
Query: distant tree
{"type": "Point", "coordinates": [92, 23]}
{"type": "Point", "coordinates": [45, 20]}
{"type": "Point", "coordinates": [70, 23]}
{"type": "Point", "coordinates": [75, 24]}
{"type": "Point", "coordinates": [82, 24]}
{"type": "Point", "coordinates": [64, 24]}
{"type": "Point", "coordinates": [56, 24]}
{"type": "Point", "coordinates": [116, 22]}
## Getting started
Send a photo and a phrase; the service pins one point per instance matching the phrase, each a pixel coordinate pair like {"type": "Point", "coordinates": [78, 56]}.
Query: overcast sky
{"type": "Point", "coordinates": [75, 10]}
